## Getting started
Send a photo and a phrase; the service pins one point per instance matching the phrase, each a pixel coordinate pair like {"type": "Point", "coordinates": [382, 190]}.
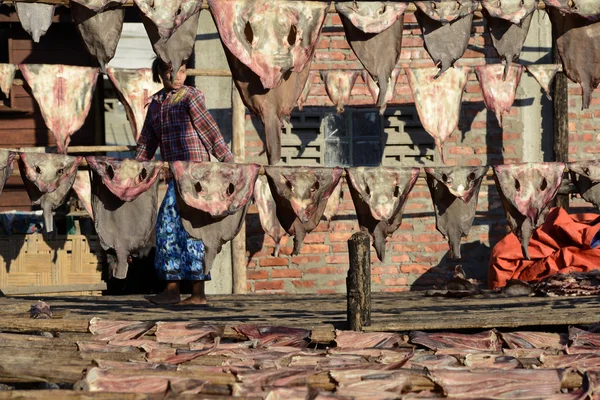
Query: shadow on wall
{"type": "Point", "coordinates": [476, 256]}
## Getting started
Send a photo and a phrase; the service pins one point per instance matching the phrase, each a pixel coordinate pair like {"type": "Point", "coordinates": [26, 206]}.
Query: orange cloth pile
{"type": "Point", "coordinates": [561, 245]}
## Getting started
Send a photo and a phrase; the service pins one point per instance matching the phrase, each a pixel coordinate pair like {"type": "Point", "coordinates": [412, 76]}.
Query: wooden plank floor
{"type": "Point", "coordinates": [395, 312]}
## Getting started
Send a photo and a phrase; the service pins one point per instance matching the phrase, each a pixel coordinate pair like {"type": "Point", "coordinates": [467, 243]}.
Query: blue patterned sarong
{"type": "Point", "coordinates": [178, 256]}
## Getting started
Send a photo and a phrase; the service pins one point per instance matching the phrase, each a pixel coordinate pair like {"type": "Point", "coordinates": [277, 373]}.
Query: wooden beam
{"type": "Point", "coordinates": [238, 145]}
{"type": "Point", "coordinates": [358, 283]}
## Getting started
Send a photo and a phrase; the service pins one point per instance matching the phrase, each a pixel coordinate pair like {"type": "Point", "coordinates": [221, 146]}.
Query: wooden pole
{"type": "Point", "coordinates": [358, 283]}
{"type": "Point", "coordinates": [560, 119]}
{"type": "Point", "coordinates": [238, 145]}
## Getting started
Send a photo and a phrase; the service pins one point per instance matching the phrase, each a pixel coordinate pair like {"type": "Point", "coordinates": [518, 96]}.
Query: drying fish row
{"type": "Point", "coordinates": [270, 45]}
{"type": "Point", "coordinates": [213, 198]}
{"type": "Point", "coordinates": [438, 98]}
{"type": "Point", "coordinates": [277, 361]}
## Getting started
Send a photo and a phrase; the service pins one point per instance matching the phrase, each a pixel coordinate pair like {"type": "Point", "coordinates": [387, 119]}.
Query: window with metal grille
{"type": "Point", "coordinates": [357, 137]}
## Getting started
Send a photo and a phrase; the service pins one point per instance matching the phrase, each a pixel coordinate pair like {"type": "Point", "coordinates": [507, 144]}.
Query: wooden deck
{"type": "Point", "coordinates": [390, 312]}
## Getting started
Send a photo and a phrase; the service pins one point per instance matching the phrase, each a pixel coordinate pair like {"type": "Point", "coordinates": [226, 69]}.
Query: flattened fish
{"type": "Point", "coordinates": [374, 32]}
{"type": "Point", "coordinates": [339, 84]}
{"type": "Point", "coordinates": [135, 89]}
{"type": "Point", "coordinates": [267, 212]}
{"type": "Point", "coordinates": [35, 18]}
{"type": "Point", "coordinates": [379, 195]}
{"type": "Point", "coordinates": [64, 94]}
{"type": "Point", "coordinates": [6, 166]}
{"type": "Point", "coordinates": [374, 88]}
{"type": "Point", "coordinates": [438, 100]}
{"type": "Point", "coordinates": [446, 28]}
{"type": "Point", "coordinates": [544, 75]}
{"type": "Point", "coordinates": [455, 191]}
{"type": "Point", "coordinates": [272, 38]}
{"type": "Point", "coordinates": [124, 206]}
{"type": "Point", "coordinates": [586, 177]}
{"type": "Point", "coordinates": [306, 91]}
{"type": "Point", "coordinates": [7, 75]}
{"type": "Point", "coordinates": [577, 44]}
{"type": "Point", "coordinates": [508, 23]}
{"type": "Point", "coordinates": [212, 199]}
{"type": "Point", "coordinates": [301, 195]}
{"type": "Point", "coordinates": [99, 22]}
{"type": "Point", "coordinates": [527, 191]}
{"type": "Point", "coordinates": [48, 178]}
{"type": "Point", "coordinates": [499, 89]}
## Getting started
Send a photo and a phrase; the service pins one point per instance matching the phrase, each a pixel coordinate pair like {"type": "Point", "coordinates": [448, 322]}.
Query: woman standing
{"type": "Point", "coordinates": [178, 122]}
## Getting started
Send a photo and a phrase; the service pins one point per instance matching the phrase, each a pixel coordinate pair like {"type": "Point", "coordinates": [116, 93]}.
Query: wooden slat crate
{"type": "Point", "coordinates": [65, 261]}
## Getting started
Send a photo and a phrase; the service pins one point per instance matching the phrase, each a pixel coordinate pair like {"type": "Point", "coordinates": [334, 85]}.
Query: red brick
{"type": "Point", "coordinates": [335, 19]}
{"type": "Point", "coordinates": [340, 236]}
{"type": "Point", "coordinates": [401, 258]}
{"type": "Point", "coordinates": [510, 136]}
{"type": "Point", "coordinates": [337, 282]}
{"type": "Point", "coordinates": [274, 262]}
{"type": "Point", "coordinates": [340, 44]}
{"type": "Point", "coordinates": [305, 284]}
{"type": "Point", "coordinates": [435, 248]}
{"type": "Point", "coordinates": [256, 275]}
{"type": "Point", "coordinates": [275, 285]}
{"type": "Point", "coordinates": [287, 250]}
{"type": "Point", "coordinates": [426, 259]}
{"type": "Point", "coordinates": [299, 260]}
{"type": "Point", "coordinates": [286, 273]}
{"type": "Point", "coordinates": [314, 249]}
{"type": "Point", "coordinates": [406, 248]}
{"type": "Point", "coordinates": [395, 281]}
{"type": "Point", "coordinates": [314, 238]}
{"type": "Point", "coordinates": [251, 264]}
{"type": "Point", "coordinates": [337, 259]}
{"type": "Point", "coordinates": [427, 238]}
{"type": "Point", "coordinates": [402, 237]}
{"type": "Point", "coordinates": [415, 268]}
{"type": "Point", "coordinates": [258, 254]}
{"type": "Point", "coordinates": [325, 270]}
{"type": "Point", "coordinates": [388, 270]}
{"type": "Point", "coordinates": [325, 291]}
{"type": "Point", "coordinates": [339, 247]}
{"type": "Point", "coordinates": [330, 56]}
{"type": "Point", "coordinates": [323, 43]}
{"type": "Point", "coordinates": [460, 150]}
{"type": "Point", "coordinates": [322, 227]}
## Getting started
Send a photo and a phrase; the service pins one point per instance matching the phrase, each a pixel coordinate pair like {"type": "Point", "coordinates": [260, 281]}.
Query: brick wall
{"type": "Point", "coordinates": [416, 256]}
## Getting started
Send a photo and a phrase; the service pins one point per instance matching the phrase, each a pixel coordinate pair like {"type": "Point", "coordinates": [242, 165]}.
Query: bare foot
{"type": "Point", "coordinates": [192, 300]}
{"type": "Point", "coordinates": [163, 299]}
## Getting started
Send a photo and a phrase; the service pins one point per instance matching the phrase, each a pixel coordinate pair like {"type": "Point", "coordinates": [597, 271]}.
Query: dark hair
{"type": "Point", "coordinates": [158, 68]}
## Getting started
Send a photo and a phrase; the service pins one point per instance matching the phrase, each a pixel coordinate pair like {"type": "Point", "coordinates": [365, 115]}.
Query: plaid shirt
{"type": "Point", "coordinates": [179, 122]}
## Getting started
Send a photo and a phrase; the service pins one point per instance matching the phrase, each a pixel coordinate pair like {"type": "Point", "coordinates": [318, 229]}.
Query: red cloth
{"type": "Point", "coordinates": [561, 245]}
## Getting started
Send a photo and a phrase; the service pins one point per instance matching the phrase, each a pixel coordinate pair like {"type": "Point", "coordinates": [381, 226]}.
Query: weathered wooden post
{"type": "Point", "coordinates": [238, 244]}
{"type": "Point", "coordinates": [560, 104]}
{"type": "Point", "coordinates": [358, 283]}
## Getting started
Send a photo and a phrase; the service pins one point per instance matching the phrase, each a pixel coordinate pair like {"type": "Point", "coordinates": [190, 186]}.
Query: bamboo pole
{"type": "Point", "coordinates": [238, 244]}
